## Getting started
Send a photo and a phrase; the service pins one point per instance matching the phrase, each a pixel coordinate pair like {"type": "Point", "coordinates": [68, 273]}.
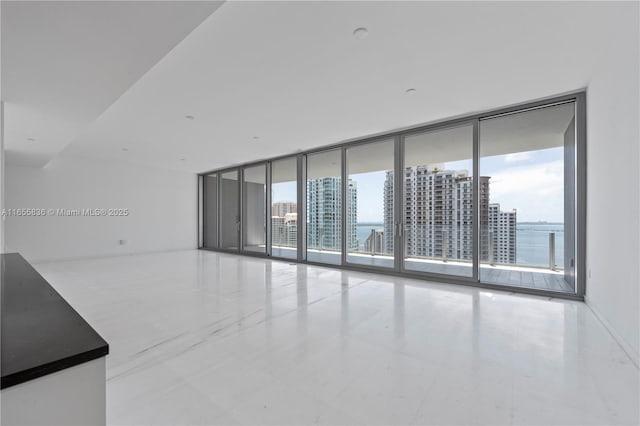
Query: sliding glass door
{"type": "Point", "coordinates": [494, 199]}
{"type": "Point", "coordinates": [438, 202]}
{"type": "Point", "coordinates": [254, 205]}
{"type": "Point", "coordinates": [527, 236]}
{"type": "Point", "coordinates": [324, 208]}
{"type": "Point", "coordinates": [370, 204]}
{"type": "Point", "coordinates": [284, 208]}
{"type": "Point", "coordinates": [229, 210]}
{"type": "Point", "coordinates": [210, 211]}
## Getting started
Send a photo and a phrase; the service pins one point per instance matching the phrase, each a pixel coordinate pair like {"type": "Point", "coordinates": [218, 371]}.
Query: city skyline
{"type": "Point", "coordinates": [518, 181]}
{"type": "Point", "coordinates": [438, 210]}
{"type": "Point", "coordinates": [284, 229]}
{"type": "Point", "coordinates": [324, 207]}
{"type": "Point", "coordinates": [438, 217]}
{"type": "Point", "coordinates": [531, 241]}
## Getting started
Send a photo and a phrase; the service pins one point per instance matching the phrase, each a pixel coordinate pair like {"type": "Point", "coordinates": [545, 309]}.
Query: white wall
{"type": "Point", "coordinates": [613, 202]}
{"type": "Point", "coordinates": [162, 206]}
{"type": "Point", "coordinates": [40, 401]}
{"type": "Point", "coordinates": [2, 246]}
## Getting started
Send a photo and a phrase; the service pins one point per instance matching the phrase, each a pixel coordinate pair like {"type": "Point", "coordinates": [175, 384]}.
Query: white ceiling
{"type": "Point", "coordinates": [526, 131]}
{"type": "Point", "coordinates": [64, 63]}
{"type": "Point", "coordinates": [512, 133]}
{"type": "Point", "coordinates": [292, 74]}
{"type": "Point", "coordinates": [523, 131]}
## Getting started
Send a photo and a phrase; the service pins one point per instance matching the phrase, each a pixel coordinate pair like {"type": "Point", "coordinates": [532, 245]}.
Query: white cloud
{"type": "Point", "coordinates": [537, 192]}
{"type": "Point", "coordinates": [518, 157]}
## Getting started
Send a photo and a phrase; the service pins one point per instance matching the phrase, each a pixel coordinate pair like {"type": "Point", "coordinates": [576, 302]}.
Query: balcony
{"type": "Point", "coordinates": [505, 274]}
{"type": "Point", "coordinates": [542, 278]}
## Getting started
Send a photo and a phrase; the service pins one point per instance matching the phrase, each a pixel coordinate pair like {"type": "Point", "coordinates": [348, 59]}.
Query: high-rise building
{"type": "Point", "coordinates": [324, 205]}
{"type": "Point", "coordinates": [284, 230]}
{"type": "Point", "coordinates": [502, 234]}
{"type": "Point", "coordinates": [387, 247]}
{"type": "Point", "coordinates": [375, 242]}
{"type": "Point", "coordinates": [438, 215]}
{"type": "Point", "coordinates": [291, 229]}
{"type": "Point", "coordinates": [277, 231]}
{"type": "Point", "coordinates": [282, 208]}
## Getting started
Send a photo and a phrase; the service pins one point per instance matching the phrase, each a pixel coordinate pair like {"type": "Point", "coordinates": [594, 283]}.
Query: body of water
{"type": "Point", "coordinates": [532, 242]}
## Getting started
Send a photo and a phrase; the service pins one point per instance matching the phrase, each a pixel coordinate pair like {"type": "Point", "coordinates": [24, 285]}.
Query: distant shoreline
{"type": "Point", "coordinates": [381, 224]}
{"type": "Point", "coordinates": [540, 223]}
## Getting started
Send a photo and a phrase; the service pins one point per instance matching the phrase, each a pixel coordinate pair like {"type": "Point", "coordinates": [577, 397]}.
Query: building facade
{"type": "Point", "coordinates": [375, 242]}
{"type": "Point", "coordinates": [389, 222]}
{"type": "Point", "coordinates": [324, 207]}
{"type": "Point", "coordinates": [502, 235]}
{"type": "Point", "coordinates": [283, 208]}
{"type": "Point", "coordinates": [438, 216]}
{"type": "Point", "coordinates": [284, 230]}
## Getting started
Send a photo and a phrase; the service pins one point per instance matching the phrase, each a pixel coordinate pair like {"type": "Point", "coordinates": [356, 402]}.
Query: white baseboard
{"type": "Point", "coordinates": [105, 256]}
{"type": "Point", "coordinates": [633, 355]}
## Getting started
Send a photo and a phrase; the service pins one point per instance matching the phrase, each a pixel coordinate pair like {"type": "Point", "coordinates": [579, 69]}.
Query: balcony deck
{"type": "Point", "coordinates": [512, 275]}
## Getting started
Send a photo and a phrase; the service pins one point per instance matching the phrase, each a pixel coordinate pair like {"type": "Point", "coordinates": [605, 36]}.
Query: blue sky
{"type": "Point", "coordinates": [531, 182]}
{"type": "Point", "coordinates": [285, 191]}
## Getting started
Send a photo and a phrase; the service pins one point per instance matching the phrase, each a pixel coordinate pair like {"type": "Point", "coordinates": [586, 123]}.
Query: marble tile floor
{"type": "Point", "coordinates": [199, 337]}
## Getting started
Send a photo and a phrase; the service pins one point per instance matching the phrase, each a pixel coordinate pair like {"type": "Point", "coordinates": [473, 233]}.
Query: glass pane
{"type": "Point", "coordinates": [210, 223]}
{"type": "Point", "coordinates": [229, 210]}
{"type": "Point", "coordinates": [284, 209]}
{"type": "Point", "coordinates": [370, 203]}
{"type": "Point", "coordinates": [254, 226]}
{"type": "Point", "coordinates": [324, 208]}
{"type": "Point", "coordinates": [438, 201]}
{"type": "Point", "coordinates": [526, 227]}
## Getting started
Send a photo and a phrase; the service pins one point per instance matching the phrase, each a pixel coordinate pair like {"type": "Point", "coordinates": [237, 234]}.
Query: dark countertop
{"type": "Point", "coordinates": [41, 332]}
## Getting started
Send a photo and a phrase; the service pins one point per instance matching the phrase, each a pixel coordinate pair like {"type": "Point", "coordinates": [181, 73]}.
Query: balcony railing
{"type": "Point", "coordinates": [443, 238]}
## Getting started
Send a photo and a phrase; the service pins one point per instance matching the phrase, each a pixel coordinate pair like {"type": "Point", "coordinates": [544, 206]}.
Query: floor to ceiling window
{"type": "Point", "coordinates": [254, 191]}
{"type": "Point", "coordinates": [438, 207]}
{"type": "Point", "coordinates": [492, 199]}
{"type": "Point", "coordinates": [210, 210]}
{"type": "Point", "coordinates": [370, 204]}
{"type": "Point", "coordinates": [324, 208]}
{"type": "Point", "coordinates": [528, 160]}
{"type": "Point", "coordinates": [229, 210]}
{"type": "Point", "coordinates": [284, 208]}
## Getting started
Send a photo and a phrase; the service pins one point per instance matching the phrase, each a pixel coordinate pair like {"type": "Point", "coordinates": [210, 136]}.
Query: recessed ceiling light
{"type": "Point", "coordinates": [189, 117]}
{"type": "Point", "coordinates": [31, 139]}
{"type": "Point", "coordinates": [125, 149]}
{"type": "Point", "coordinates": [410, 91]}
{"type": "Point", "coordinates": [360, 33]}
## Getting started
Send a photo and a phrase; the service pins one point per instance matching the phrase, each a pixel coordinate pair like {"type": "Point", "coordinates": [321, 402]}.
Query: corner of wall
{"type": "Point", "coordinates": [631, 352]}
